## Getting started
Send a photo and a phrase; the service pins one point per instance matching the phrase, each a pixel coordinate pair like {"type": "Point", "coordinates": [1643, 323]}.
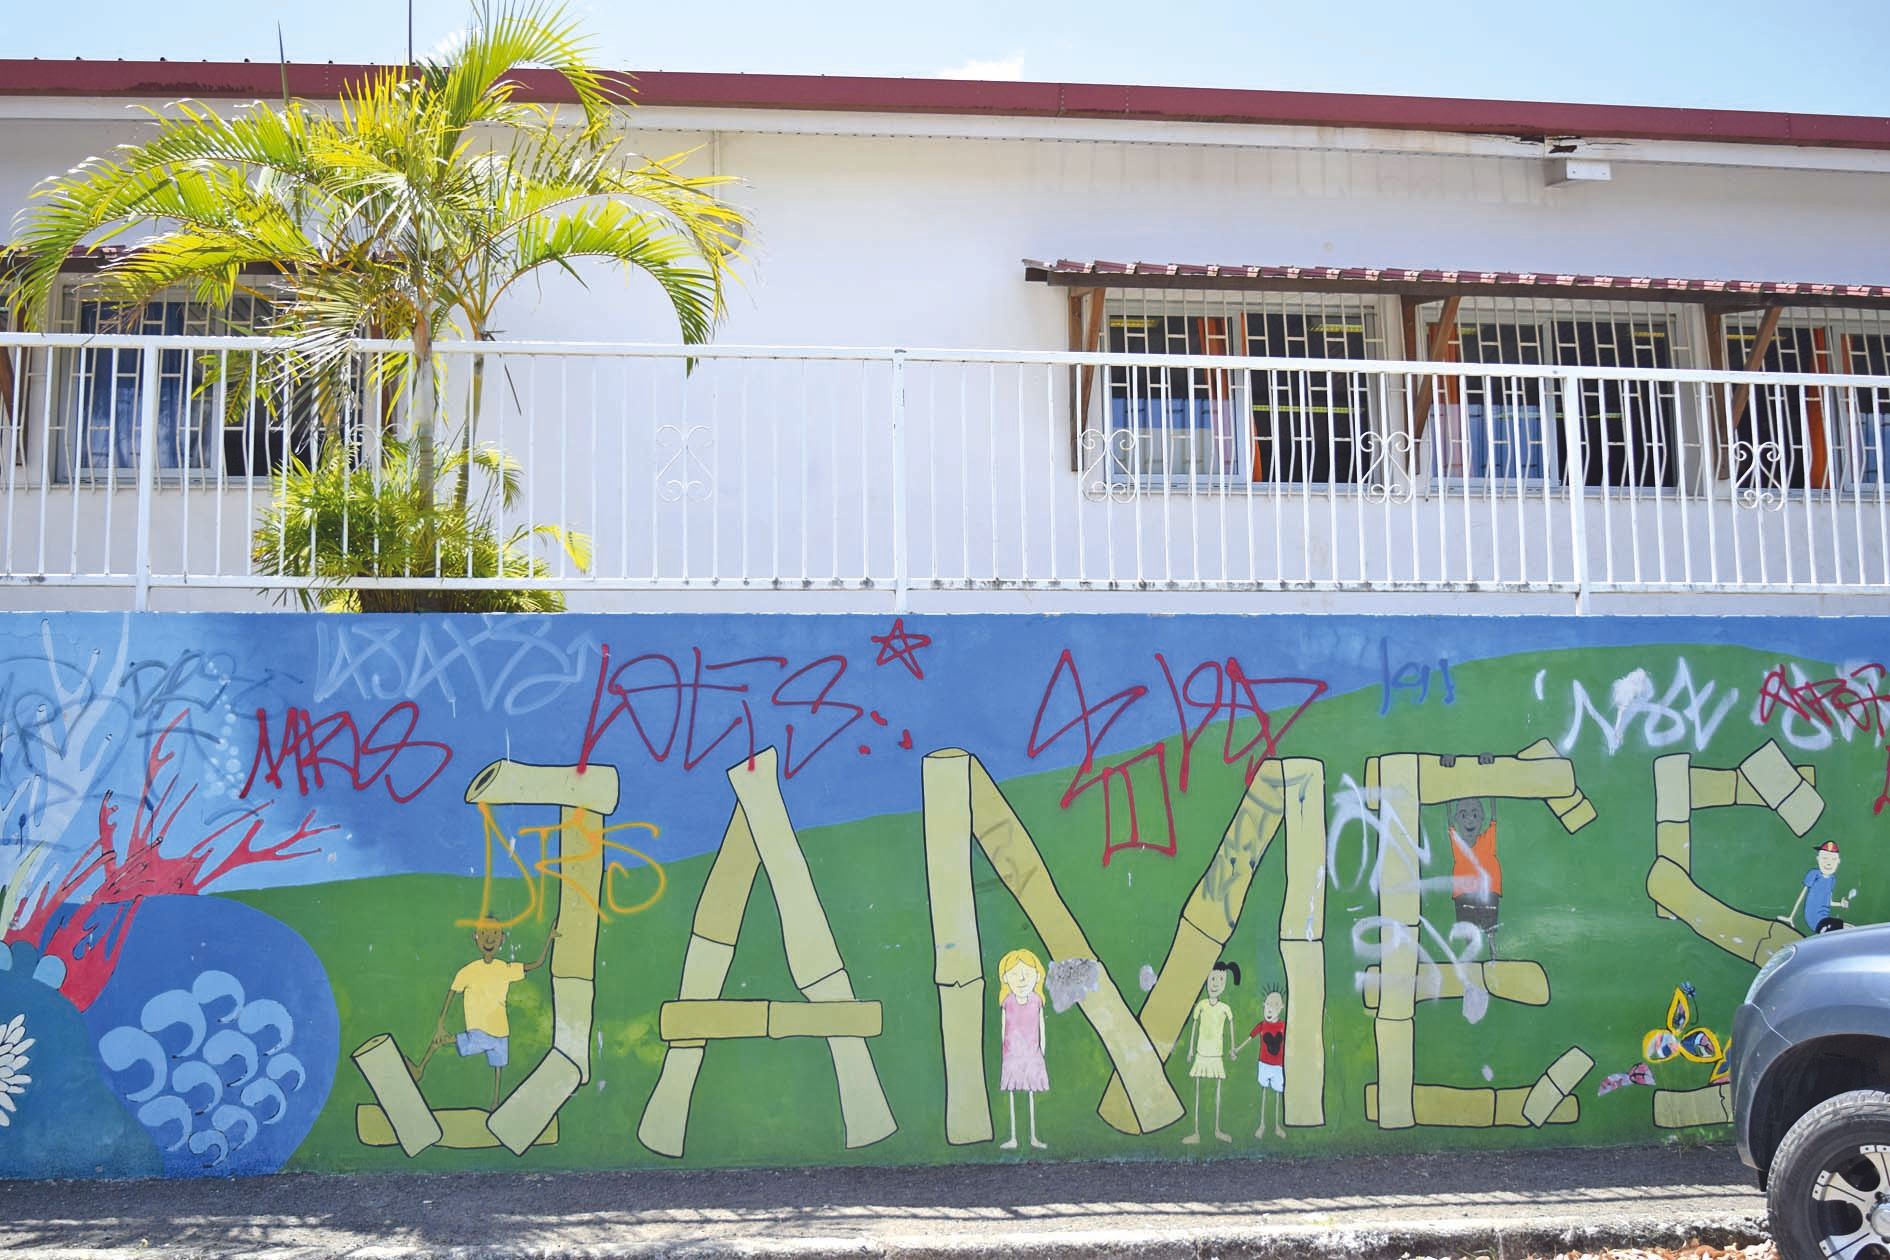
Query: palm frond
{"type": "Point", "coordinates": [408, 210]}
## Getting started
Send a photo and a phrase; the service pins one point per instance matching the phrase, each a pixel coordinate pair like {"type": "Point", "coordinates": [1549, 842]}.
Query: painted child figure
{"type": "Point", "coordinates": [1476, 876]}
{"type": "Point", "coordinates": [484, 983]}
{"type": "Point", "coordinates": [1210, 1042]}
{"type": "Point", "coordinates": [1271, 1034]}
{"type": "Point", "coordinates": [1020, 1003]}
{"type": "Point", "coordinates": [1818, 897]}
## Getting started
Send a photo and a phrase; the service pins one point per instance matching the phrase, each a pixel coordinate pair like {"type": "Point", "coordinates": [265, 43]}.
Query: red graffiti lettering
{"type": "Point", "coordinates": [713, 706]}
{"type": "Point", "coordinates": [362, 759]}
{"type": "Point", "coordinates": [1857, 698]}
{"type": "Point", "coordinates": [1212, 689]}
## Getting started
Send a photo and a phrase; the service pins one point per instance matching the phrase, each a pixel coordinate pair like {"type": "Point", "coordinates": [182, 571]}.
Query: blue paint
{"type": "Point", "coordinates": [490, 686]}
{"type": "Point", "coordinates": [66, 1122]}
{"type": "Point", "coordinates": [1411, 679]}
{"type": "Point", "coordinates": [219, 1032]}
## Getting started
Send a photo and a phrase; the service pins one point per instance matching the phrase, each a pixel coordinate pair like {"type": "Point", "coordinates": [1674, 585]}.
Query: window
{"type": "Point", "coordinates": [1173, 423]}
{"type": "Point", "coordinates": [216, 415]}
{"type": "Point", "coordinates": [1309, 426]}
{"type": "Point", "coordinates": [1501, 428]}
{"type": "Point", "coordinates": [1868, 444]}
{"type": "Point", "coordinates": [1491, 426]}
{"type": "Point", "coordinates": [1790, 437]}
{"type": "Point", "coordinates": [1212, 427]}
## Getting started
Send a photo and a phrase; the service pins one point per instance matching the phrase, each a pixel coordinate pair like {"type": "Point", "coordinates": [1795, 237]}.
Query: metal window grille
{"type": "Point", "coordinates": [218, 413]}
{"type": "Point", "coordinates": [1499, 429]}
{"type": "Point", "coordinates": [1787, 438]}
{"type": "Point", "coordinates": [1201, 428]}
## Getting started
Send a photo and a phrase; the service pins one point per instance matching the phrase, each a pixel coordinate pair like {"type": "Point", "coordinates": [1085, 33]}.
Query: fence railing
{"type": "Point", "coordinates": [155, 462]}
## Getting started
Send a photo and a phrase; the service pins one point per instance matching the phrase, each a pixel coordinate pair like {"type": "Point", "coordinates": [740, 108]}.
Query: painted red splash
{"type": "Point", "coordinates": [90, 939]}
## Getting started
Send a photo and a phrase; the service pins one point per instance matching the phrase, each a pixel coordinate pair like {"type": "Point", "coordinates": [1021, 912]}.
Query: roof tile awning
{"type": "Point", "coordinates": [1440, 283]}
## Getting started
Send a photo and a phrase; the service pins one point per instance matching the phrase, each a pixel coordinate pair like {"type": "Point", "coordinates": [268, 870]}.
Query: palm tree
{"type": "Point", "coordinates": [329, 516]}
{"type": "Point", "coordinates": [410, 210]}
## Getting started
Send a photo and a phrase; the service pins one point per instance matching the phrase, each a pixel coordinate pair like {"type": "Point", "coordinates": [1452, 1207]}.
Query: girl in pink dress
{"type": "Point", "coordinates": [1020, 1002]}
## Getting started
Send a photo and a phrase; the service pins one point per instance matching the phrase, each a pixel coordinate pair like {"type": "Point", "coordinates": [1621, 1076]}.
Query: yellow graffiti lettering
{"type": "Point", "coordinates": [570, 831]}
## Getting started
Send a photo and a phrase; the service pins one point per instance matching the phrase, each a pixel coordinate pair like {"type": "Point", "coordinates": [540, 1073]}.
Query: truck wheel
{"type": "Point", "coordinates": [1829, 1187]}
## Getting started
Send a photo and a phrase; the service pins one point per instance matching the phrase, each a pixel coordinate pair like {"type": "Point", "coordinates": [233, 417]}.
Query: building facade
{"type": "Point", "coordinates": [1476, 856]}
{"type": "Point", "coordinates": [1616, 259]}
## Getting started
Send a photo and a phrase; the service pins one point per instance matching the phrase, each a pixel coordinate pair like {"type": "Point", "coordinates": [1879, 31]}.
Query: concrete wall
{"type": "Point", "coordinates": [246, 860]}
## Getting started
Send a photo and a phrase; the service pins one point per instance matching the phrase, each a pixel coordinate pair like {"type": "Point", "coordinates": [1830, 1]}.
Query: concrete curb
{"type": "Point", "coordinates": [1446, 1242]}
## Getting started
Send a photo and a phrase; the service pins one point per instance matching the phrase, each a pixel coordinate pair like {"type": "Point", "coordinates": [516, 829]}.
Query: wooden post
{"type": "Point", "coordinates": [1086, 330]}
{"type": "Point", "coordinates": [1755, 361]}
{"type": "Point", "coordinates": [1079, 409]}
{"type": "Point", "coordinates": [1718, 448]}
{"type": "Point", "coordinates": [1442, 349]}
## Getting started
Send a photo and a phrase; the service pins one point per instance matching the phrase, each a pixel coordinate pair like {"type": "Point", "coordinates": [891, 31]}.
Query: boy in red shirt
{"type": "Point", "coordinates": [1271, 1033]}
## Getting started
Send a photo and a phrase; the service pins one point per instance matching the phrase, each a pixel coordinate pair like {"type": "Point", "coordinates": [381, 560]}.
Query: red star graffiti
{"type": "Point", "coordinates": [899, 645]}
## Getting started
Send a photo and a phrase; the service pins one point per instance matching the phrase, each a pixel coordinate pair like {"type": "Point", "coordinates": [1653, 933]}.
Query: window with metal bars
{"type": "Point", "coordinates": [1867, 443]}
{"type": "Point", "coordinates": [1173, 424]}
{"type": "Point", "coordinates": [1508, 429]}
{"type": "Point", "coordinates": [219, 414]}
{"type": "Point", "coordinates": [1210, 426]}
{"type": "Point", "coordinates": [1781, 437]}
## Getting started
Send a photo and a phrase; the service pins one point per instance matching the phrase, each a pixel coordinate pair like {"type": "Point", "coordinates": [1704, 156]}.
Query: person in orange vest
{"type": "Point", "coordinates": [1476, 876]}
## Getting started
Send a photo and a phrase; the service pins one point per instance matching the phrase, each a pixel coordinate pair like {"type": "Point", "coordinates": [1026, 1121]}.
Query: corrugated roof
{"type": "Point", "coordinates": [1531, 120]}
{"type": "Point", "coordinates": [1441, 282]}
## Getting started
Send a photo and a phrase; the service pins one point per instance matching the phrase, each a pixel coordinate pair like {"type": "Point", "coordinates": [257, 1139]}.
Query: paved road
{"type": "Point", "coordinates": [1506, 1205]}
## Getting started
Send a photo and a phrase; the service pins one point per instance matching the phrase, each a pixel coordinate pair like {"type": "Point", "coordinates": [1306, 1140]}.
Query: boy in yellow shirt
{"type": "Point", "coordinates": [484, 983]}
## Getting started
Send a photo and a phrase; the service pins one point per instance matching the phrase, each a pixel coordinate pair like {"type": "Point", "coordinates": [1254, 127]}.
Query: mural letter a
{"type": "Point", "coordinates": [760, 835]}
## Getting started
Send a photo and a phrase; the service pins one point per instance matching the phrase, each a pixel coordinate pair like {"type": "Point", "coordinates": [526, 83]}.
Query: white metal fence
{"type": "Point", "coordinates": [146, 463]}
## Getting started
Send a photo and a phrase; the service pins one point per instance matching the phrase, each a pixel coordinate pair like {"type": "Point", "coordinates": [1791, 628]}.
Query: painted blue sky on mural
{"type": "Point", "coordinates": [408, 709]}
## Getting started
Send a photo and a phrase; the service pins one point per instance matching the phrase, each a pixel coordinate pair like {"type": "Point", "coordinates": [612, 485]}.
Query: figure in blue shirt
{"type": "Point", "coordinates": [1816, 897]}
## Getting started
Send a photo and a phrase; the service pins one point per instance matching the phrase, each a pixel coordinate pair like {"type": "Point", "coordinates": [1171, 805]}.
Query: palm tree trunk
{"type": "Point", "coordinates": [463, 482]}
{"type": "Point", "coordinates": [425, 417]}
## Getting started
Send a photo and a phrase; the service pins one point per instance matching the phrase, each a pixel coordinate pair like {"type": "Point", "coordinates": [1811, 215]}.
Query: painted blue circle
{"type": "Point", "coordinates": [218, 1031]}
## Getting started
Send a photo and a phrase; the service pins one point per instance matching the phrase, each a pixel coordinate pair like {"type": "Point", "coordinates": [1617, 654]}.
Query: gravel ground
{"type": "Point", "coordinates": [1498, 1206]}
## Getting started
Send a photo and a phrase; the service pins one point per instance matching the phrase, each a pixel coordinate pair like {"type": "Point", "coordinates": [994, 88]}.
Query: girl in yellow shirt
{"type": "Point", "coordinates": [1210, 1043]}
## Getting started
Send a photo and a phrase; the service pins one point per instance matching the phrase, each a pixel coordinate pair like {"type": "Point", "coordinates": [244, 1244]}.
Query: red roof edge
{"type": "Point", "coordinates": [1395, 279]}
{"type": "Point", "coordinates": [1527, 119]}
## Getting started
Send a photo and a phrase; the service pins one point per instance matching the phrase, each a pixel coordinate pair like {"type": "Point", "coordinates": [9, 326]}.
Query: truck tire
{"type": "Point", "coordinates": [1828, 1193]}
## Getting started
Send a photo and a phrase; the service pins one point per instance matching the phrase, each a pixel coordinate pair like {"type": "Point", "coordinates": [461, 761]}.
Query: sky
{"type": "Point", "coordinates": [1730, 54]}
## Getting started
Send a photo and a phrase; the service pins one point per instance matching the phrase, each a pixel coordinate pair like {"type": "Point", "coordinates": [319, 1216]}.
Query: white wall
{"type": "Point", "coordinates": [877, 241]}
{"type": "Point", "coordinates": [883, 239]}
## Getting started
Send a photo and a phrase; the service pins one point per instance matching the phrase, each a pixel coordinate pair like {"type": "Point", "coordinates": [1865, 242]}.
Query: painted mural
{"type": "Point", "coordinates": [433, 893]}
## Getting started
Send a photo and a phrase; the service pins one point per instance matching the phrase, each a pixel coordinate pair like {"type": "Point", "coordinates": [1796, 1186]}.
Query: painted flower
{"type": "Point", "coordinates": [14, 1043]}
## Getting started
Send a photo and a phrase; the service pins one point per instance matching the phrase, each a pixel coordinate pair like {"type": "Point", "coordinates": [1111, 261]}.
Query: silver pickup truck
{"type": "Point", "coordinates": [1810, 1067]}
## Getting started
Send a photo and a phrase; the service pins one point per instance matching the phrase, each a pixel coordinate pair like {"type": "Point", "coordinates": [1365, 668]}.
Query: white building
{"type": "Point", "coordinates": [1580, 280]}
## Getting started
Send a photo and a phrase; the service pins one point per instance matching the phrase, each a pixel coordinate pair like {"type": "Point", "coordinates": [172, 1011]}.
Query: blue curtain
{"type": "Point", "coordinates": [105, 406]}
{"type": "Point", "coordinates": [1505, 442]}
